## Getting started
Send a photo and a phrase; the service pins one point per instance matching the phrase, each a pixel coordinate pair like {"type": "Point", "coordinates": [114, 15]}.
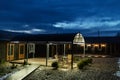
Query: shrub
{"type": "Point", "coordinates": [2, 61]}
{"type": "Point", "coordinates": [89, 60]}
{"type": "Point", "coordinates": [84, 62]}
{"type": "Point", "coordinates": [81, 64]}
{"type": "Point", "coordinates": [76, 59]}
{"type": "Point", "coordinates": [55, 65]}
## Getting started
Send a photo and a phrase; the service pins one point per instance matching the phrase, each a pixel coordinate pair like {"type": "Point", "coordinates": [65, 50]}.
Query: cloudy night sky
{"type": "Point", "coordinates": [61, 16]}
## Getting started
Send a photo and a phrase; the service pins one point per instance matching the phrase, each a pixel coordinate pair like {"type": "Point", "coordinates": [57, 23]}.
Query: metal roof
{"type": "Point", "coordinates": [64, 38]}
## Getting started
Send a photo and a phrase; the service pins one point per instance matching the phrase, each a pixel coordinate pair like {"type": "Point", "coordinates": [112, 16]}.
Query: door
{"type": "Point", "coordinates": [21, 51]}
{"type": "Point", "coordinates": [10, 52]}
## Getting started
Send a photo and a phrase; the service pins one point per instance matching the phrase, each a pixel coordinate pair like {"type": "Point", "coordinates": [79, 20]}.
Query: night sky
{"type": "Point", "coordinates": [61, 16]}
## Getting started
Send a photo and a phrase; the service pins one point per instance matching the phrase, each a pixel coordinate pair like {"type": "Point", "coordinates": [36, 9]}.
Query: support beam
{"type": "Point", "coordinates": [64, 49]}
{"type": "Point", "coordinates": [47, 54]}
{"type": "Point", "coordinates": [27, 52]}
{"type": "Point", "coordinates": [34, 50]}
{"type": "Point", "coordinates": [56, 50]}
{"type": "Point", "coordinates": [105, 49]}
{"type": "Point", "coordinates": [9, 52]}
{"type": "Point", "coordinates": [84, 50]}
{"type": "Point", "coordinates": [72, 56]}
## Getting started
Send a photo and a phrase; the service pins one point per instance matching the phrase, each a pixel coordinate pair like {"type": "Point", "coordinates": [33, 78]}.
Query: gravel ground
{"type": "Point", "coordinates": [101, 69]}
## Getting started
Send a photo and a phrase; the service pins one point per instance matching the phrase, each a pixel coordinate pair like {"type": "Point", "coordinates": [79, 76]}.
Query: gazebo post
{"type": "Point", "coordinates": [84, 50]}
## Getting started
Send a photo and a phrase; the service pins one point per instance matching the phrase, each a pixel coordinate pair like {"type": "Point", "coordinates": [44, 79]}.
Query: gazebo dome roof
{"type": "Point", "coordinates": [78, 39]}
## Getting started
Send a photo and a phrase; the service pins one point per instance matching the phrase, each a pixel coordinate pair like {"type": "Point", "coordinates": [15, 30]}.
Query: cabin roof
{"type": "Point", "coordinates": [64, 38]}
{"type": "Point", "coordinates": [45, 37]}
{"type": "Point", "coordinates": [5, 40]}
{"type": "Point", "coordinates": [102, 39]}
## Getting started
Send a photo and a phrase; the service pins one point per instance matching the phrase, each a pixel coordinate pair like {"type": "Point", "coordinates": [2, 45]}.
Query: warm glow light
{"type": "Point", "coordinates": [96, 45]}
{"type": "Point", "coordinates": [88, 45]}
{"type": "Point", "coordinates": [78, 39]}
{"type": "Point", "coordinates": [69, 46]}
{"type": "Point", "coordinates": [82, 45]}
{"type": "Point", "coordinates": [103, 45]}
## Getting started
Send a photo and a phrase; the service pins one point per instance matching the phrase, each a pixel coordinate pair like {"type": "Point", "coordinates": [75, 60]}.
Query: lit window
{"type": "Point", "coordinates": [88, 45]}
{"type": "Point", "coordinates": [96, 45]}
{"type": "Point", "coordinates": [103, 45]}
{"type": "Point", "coordinates": [22, 49]}
{"type": "Point", "coordinates": [10, 49]}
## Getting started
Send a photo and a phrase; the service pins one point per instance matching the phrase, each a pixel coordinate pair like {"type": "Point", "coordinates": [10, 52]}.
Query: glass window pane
{"type": "Point", "coordinates": [21, 49]}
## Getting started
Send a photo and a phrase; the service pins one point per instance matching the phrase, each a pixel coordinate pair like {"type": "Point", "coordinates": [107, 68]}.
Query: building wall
{"type": "Point", "coordinates": [3, 50]}
{"type": "Point", "coordinates": [16, 51]}
{"type": "Point", "coordinates": [40, 50]}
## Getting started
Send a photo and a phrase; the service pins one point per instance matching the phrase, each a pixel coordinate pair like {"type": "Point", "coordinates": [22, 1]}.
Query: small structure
{"type": "Point", "coordinates": [79, 40]}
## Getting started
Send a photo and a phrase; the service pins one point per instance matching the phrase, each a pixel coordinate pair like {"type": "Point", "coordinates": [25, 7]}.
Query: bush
{"type": "Point", "coordinates": [89, 60]}
{"type": "Point", "coordinates": [76, 59]}
{"type": "Point", "coordinates": [84, 62]}
{"type": "Point", "coordinates": [2, 61]}
{"type": "Point", "coordinates": [81, 64]}
{"type": "Point", "coordinates": [55, 65]}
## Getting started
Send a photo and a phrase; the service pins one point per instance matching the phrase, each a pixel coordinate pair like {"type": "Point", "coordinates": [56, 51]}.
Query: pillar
{"type": "Point", "coordinates": [84, 50]}
{"type": "Point", "coordinates": [64, 49]}
{"type": "Point", "coordinates": [34, 50]}
{"type": "Point", "coordinates": [47, 54]}
{"type": "Point", "coordinates": [27, 52]}
{"type": "Point", "coordinates": [9, 52]}
{"type": "Point", "coordinates": [56, 50]}
{"type": "Point", "coordinates": [72, 57]}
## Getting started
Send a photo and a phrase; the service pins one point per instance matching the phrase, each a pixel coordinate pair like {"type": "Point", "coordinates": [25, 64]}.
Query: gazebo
{"type": "Point", "coordinates": [78, 40]}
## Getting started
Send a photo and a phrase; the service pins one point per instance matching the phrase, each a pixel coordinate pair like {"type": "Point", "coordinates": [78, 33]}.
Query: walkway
{"type": "Point", "coordinates": [39, 61]}
{"type": "Point", "coordinates": [23, 73]}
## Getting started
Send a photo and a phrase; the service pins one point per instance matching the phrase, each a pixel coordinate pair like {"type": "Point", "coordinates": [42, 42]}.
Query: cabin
{"type": "Point", "coordinates": [42, 45]}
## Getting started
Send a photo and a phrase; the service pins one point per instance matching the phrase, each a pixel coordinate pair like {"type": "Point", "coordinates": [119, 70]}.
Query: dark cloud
{"type": "Point", "coordinates": [43, 14]}
{"type": "Point", "coordinates": [54, 10]}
